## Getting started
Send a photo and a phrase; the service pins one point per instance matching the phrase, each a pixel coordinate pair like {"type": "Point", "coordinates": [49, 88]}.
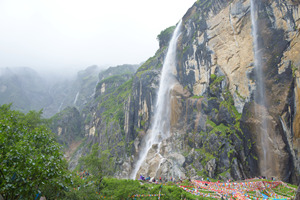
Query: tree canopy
{"type": "Point", "coordinates": [31, 161]}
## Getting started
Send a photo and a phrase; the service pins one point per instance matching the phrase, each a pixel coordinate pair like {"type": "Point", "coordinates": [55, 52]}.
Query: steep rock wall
{"type": "Point", "coordinates": [213, 121]}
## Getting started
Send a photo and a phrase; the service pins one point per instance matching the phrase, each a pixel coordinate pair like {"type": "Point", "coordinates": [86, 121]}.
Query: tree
{"type": "Point", "coordinates": [97, 162]}
{"type": "Point", "coordinates": [30, 158]}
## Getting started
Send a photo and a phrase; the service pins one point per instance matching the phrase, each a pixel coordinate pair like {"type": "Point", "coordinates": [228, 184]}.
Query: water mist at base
{"type": "Point", "coordinates": [160, 128]}
{"type": "Point", "coordinates": [259, 97]}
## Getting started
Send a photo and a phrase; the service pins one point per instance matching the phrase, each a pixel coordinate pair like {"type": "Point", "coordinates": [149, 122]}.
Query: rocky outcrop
{"type": "Point", "coordinates": [68, 126]}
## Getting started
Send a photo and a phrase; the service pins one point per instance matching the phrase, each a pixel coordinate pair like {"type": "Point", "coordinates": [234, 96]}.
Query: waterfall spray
{"type": "Point", "coordinates": [260, 91]}
{"type": "Point", "coordinates": [160, 129]}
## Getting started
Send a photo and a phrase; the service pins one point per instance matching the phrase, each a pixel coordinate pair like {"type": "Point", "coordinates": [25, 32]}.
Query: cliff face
{"type": "Point", "coordinates": [214, 125]}
{"type": "Point", "coordinates": [216, 130]}
{"type": "Point", "coordinates": [103, 118]}
{"type": "Point", "coordinates": [224, 42]}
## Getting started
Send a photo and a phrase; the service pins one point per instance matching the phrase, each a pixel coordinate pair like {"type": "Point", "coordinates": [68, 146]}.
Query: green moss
{"type": "Point", "coordinates": [230, 152]}
{"type": "Point", "coordinates": [221, 128]}
{"type": "Point", "coordinates": [88, 119]}
{"type": "Point", "coordinates": [143, 123]}
{"type": "Point", "coordinates": [224, 174]}
{"type": "Point", "coordinates": [151, 63]}
{"type": "Point", "coordinates": [229, 104]}
{"type": "Point", "coordinates": [197, 97]}
{"type": "Point", "coordinates": [121, 144]}
{"type": "Point", "coordinates": [212, 98]}
{"type": "Point", "coordinates": [294, 69]}
{"type": "Point", "coordinates": [240, 96]}
{"type": "Point", "coordinates": [213, 77]}
{"type": "Point", "coordinates": [254, 157]}
{"type": "Point", "coordinates": [215, 82]}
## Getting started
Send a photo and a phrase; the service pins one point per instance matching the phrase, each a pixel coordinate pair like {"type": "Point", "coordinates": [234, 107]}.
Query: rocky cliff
{"type": "Point", "coordinates": [216, 130]}
{"type": "Point", "coordinates": [214, 125]}
{"type": "Point", "coordinates": [101, 119]}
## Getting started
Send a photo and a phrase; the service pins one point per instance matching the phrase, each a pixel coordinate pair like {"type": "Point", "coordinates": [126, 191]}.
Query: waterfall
{"type": "Point", "coordinates": [259, 97]}
{"type": "Point", "coordinates": [76, 97]}
{"type": "Point", "coordinates": [59, 109]}
{"type": "Point", "coordinates": [160, 128]}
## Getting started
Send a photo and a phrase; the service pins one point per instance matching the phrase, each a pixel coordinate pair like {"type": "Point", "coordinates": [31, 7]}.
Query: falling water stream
{"type": "Point", "coordinates": [259, 96]}
{"type": "Point", "coordinates": [160, 128]}
{"type": "Point", "coordinates": [76, 97]}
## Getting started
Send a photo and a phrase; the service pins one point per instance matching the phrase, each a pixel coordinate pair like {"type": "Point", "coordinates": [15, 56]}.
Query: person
{"type": "Point", "coordinates": [160, 179]}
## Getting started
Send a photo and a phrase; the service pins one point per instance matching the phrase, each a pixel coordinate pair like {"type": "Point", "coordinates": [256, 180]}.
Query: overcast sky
{"type": "Point", "coordinates": [75, 34]}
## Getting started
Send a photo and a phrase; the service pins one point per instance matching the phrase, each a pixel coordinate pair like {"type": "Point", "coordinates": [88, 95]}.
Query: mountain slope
{"type": "Point", "coordinates": [28, 90]}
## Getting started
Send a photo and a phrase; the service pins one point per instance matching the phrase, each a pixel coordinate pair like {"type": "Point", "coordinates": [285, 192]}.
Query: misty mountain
{"type": "Point", "coordinates": [24, 88]}
{"type": "Point", "coordinates": [28, 90]}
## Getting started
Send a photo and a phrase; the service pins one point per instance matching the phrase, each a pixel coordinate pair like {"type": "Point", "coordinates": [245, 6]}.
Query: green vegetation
{"type": "Point", "coordinates": [31, 166]}
{"type": "Point", "coordinates": [197, 97]}
{"type": "Point", "coordinates": [97, 184]}
{"type": "Point", "coordinates": [240, 96]}
{"type": "Point", "coordinates": [97, 162]}
{"type": "Point", "coordinates": [151, 63]}
{"type": "Point", "coordinates": [30, 158]}
{"type": "Point", "coordinates": [205, 4]}
{"type": "Point", "coordinates": [114, 103]}
{"type": "Point", "coordinates": [213, 77]}
{"type": "Point", "coordinates": [294, 69]}
{"type": "Point", "coordinates": [227, 132]}
{"type": "Point", "coordinates": [216, 81]}
{"type": "Point", "coordinates": [221, 128]}
{"type": "Point", "coordinates": [111, 188]}
{"type": "Point", "coordinates": [165, 36]}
